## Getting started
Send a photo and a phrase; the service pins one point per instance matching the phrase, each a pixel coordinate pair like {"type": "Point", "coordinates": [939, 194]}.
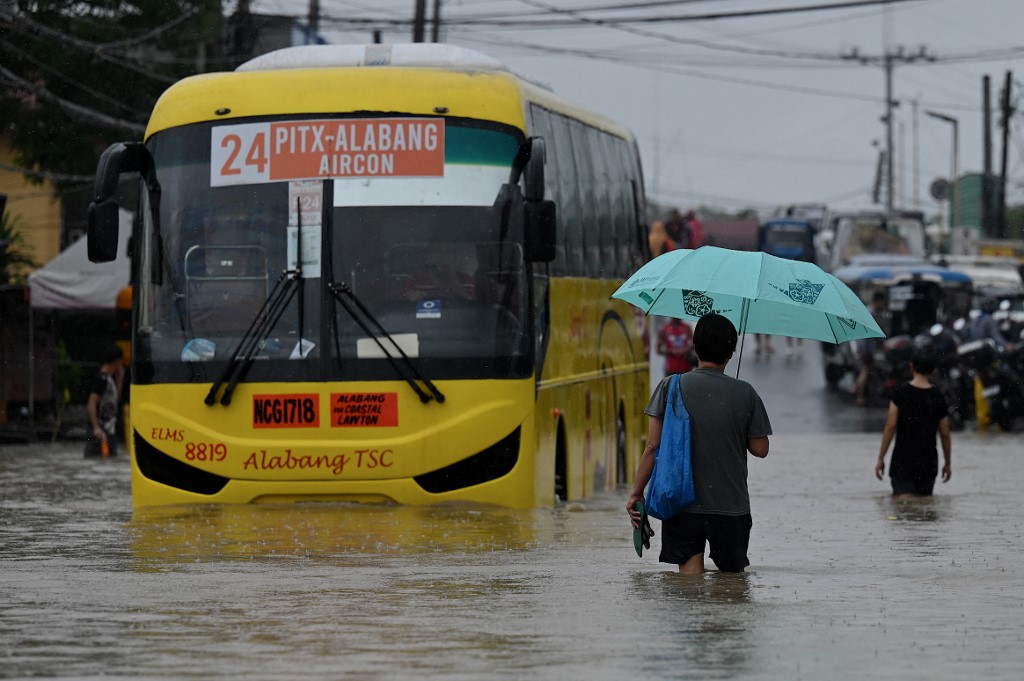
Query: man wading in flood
{"type": "Point", "coordinates": [727, 420]}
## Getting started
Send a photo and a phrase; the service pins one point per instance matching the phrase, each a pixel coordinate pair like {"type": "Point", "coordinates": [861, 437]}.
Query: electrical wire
{"type": "Point", "coordinates": [77, 109]}
{"type": "Point", "coordinates": [71, 81]}
{"type": "Point", "coordinates": [43, 175]}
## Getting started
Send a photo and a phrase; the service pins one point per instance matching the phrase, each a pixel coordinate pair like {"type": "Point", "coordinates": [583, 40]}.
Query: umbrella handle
{"type": "Point", "coordinates": [744, 313]}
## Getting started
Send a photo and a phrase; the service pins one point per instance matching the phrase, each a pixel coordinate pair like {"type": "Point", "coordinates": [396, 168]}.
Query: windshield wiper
{"type": "Point", "coordinates": [344, 294]}
{"type": "Point", "coordinates": [262, 324]}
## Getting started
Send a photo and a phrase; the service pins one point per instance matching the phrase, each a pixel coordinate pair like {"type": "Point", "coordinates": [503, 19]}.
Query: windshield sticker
{"type": "Point", "coordinates": [252, 153]}
{"type": "Point", "coordinates": [302, 349]}
{"type": "Point", "coordinates": [305, 203]}
{"type": "Point", "coordinates": [428, 309]}
{"type": "Point", "coordinates": [396, 344]}
{"type": "Point", "coordinates": [373, 410]}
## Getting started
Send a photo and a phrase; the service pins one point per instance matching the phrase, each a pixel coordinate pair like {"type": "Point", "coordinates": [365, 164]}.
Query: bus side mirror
{"type": "Point", "coordinates": [540, 231]}
{"type": "Point", "coordinates": [103, 231]}
{"type": "Point", "coordinates": [119, 158]}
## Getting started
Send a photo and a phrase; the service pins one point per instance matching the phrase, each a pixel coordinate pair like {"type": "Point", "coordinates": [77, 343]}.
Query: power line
{"type": "Point", "coordinates": [516, 21]}
{"type": "Point", "coordinates": [43, 175]}
{"type": "Point", "coordinates": [888, 61]}
{"type": "Point", "coordinates": [602, 55]}
{"type": "Point", "coordinates": [77, 109]}
{"type": "Point", "coordinates": [99, 50]}
{"type": "Point", "coordinates": [82, 86]}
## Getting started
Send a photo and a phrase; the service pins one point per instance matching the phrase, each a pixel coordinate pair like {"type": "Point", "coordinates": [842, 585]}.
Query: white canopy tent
{"type": "Point", "coordinates": [71, 282]}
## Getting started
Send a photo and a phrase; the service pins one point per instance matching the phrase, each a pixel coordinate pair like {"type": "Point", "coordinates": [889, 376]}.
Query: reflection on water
{"type": "Point", "coordinates": [702, 622]}
{"type": "Point", "coordinates": [917, 509]}
{"type": "Point", "coordinates": [845, 582]}
{"type": "Point", "coordinates": [319, 532]}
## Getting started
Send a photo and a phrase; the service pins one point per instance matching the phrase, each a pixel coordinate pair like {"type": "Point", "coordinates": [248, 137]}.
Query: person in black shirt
{"type": "Point", "coordinates": [917, 411]}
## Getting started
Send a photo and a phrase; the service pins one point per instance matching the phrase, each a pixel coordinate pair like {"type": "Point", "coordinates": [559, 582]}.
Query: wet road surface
{"type": "Point", "coordinates": [844, 583]}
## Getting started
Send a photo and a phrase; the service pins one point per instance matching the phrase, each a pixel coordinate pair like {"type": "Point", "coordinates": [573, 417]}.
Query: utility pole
{"type": "Point", "coordinates": [986, 140]}
{"type": "Point", "coordinates": [314, 22]}
{"type": "Point", "coordinates": [917, 159]}
{"type": "Point", "coordinates": [954, 169]}
{"type": "Point", "coordinates": [419, 21]}
{"type": "Point", "coordinates": [889, 104]}
{"type": "Point", "coordinates": [888, 61]}
{"type": "Point", "coordinates": [1007, 109]}
{"type": "Point", "coordinates": [435, 32]}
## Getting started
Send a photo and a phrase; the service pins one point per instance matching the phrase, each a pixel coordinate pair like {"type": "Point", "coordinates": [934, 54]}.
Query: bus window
{"type": "Point", "coordinates": [621, 201]}
{"type": "Point", "coordinates": [586, 178]}
{"type": "Point", "coordinates": [606, 198]}
{"type": "Point", "coordinates": [569, 215]}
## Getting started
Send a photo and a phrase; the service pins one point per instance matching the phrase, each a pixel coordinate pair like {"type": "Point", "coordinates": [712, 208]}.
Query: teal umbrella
{"type": "Point", "coordinates": [758, 292]}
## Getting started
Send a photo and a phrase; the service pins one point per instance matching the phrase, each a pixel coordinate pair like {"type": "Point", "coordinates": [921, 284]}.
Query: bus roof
{"type": "Point", "coordinates": [340, 79]}
{"type": "Point", "coordinates": [435, 55]}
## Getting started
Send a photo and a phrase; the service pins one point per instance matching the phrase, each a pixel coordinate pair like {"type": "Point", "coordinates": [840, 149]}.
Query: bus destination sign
{"type": "Point", "coordinates": [253, 153]}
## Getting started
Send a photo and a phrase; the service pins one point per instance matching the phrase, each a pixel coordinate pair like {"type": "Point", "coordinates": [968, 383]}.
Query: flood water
{"type": "Point", "coordinates": [844, 583]}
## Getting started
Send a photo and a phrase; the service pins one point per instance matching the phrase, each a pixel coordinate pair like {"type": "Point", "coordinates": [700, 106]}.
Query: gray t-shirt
{"type": "Point", "coordinates": [724, 413]}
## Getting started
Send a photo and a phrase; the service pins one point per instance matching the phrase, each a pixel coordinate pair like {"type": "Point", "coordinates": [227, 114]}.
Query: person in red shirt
{"type": "Point", "coordinates": [696, 230]}
{"type": "Point", "coordinates": [675, 342]}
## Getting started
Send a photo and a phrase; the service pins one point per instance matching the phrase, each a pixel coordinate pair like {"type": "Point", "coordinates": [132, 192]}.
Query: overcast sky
{"type": "Point", "coordinates": [751, 111]}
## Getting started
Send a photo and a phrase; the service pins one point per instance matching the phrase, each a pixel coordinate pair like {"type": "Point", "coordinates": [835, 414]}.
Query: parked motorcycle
{"type": "Point", "coordinates": [950, 377]}
{"type": "Point", "coordinates": [998, 371]}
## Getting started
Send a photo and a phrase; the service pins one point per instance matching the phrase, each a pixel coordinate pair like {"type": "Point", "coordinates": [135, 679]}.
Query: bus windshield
{"type": "Point", "coordinates": [787, 237]}
{"type": "Point", "coordinates": [433, 259]}
{"type": "Point", "coordinates": [875, 236]}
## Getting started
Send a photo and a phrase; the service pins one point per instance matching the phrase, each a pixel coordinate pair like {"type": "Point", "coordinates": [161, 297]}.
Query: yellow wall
{"type": "Point", "coordinates": [36, 207]}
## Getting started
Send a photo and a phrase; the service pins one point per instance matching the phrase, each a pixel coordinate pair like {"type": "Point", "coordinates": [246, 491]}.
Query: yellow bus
{"type": "Point", "coordinates": [379, 274]}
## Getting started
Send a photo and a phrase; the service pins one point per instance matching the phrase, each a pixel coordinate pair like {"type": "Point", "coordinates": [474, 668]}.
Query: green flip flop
{"type": "Point", "coordinates": [642, 535]}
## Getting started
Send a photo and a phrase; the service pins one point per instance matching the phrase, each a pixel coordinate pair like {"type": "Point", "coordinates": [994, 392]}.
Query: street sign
{"type": "Point", "coordinates": [939, 189]}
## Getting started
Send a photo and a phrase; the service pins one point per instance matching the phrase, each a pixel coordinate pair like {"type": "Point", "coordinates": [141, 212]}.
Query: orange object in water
{"type": "Point", "coordinates": [104, 447]}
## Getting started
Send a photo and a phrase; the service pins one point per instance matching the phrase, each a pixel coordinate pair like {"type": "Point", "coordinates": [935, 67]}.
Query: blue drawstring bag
{"type": "Point", "coordinates": [670, 489]}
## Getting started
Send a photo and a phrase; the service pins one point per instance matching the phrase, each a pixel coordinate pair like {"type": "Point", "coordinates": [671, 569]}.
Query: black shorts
{"type": "Point", "coordinates": [685, 536]}
{"type": "Point", "coordinates": [920, 488]}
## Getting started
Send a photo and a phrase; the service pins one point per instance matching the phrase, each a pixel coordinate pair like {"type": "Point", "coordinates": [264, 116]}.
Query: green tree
{"type": "Point", "coordinates": [1015, 222]}
{"type": "Point", "coordinates": [76, 76]}
{"type": "Point", "coordinates": [15, 254]}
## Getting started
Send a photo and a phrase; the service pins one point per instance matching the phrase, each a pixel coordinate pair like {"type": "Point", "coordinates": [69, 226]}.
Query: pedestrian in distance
{"type": "Point", "coordinates": [103, 404]}
{"type": "Point", "coordinates": [916, 413]}
{"type": "Point", "coordinates": [762, 344]}
{"type": "Point", "coordinates": [727, 421]}
{"type": "Point", "coordinates": [677, 228]}
{"type": "Point", "coordinates": [866, 348]}
{"type": "Point", "coordinates": [675, 342]}
{"type": "Point", "coordinates": [696, 229]}
{"type": "Point", "coordinates": [985, 327]}
{"type": "Point", "coordinates": [657, 239]}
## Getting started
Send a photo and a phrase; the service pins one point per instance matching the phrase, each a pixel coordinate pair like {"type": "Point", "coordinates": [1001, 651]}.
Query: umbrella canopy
{"type": "Point", "coordinates": [758, 292]}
